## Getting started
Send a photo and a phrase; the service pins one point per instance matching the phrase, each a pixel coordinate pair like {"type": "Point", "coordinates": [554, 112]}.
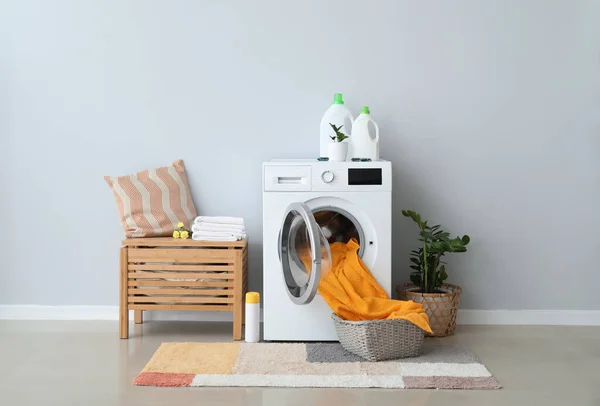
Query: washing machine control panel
{"type": "Point", "coordinates": [304, 176]}
{"type": "Point", "coordinates": [349, 177]}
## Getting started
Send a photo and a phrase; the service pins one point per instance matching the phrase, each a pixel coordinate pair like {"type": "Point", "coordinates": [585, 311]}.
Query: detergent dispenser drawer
{"type": "Point", "coordinates": [287, 178]}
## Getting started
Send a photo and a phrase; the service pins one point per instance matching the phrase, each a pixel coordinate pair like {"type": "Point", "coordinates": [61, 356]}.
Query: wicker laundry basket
{"type": "Point", "coordinates": [379, 340]}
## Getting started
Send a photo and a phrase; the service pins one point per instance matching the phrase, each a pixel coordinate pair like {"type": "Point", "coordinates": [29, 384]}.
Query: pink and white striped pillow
{"type": "Point", "coordinates": [152, 202]}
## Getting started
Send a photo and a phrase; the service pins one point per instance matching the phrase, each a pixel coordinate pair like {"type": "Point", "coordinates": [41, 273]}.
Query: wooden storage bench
{"type": "Point", "coordinates": [174, 274]}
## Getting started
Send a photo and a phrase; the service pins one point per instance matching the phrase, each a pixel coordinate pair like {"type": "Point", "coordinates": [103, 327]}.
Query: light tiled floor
{"type": "Point", "coordinates": [84, 363]}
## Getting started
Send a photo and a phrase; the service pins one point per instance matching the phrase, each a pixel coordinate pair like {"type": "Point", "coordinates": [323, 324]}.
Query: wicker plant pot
{"type": "Point", "coordinates": [442, 308]}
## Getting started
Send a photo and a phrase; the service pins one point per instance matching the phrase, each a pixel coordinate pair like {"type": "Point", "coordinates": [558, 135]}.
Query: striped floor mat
{"type": "Point", "coordinates": [310, 365]}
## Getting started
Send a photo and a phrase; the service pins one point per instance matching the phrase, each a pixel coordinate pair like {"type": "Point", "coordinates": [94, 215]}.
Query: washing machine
{"type": "Point", "coordinates": [307, 206]}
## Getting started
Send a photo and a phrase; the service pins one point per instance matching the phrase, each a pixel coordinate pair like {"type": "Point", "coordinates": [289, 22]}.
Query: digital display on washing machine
{"type": "Point", "coordinates": [364, 176]}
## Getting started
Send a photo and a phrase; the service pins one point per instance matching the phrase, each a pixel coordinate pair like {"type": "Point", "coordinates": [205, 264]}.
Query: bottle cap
{"type": "Point", "coordinates": [252, 297]}
{"type": "Point", "coordinates": [337, 99]}
{"type": "Point", "coordinates": [365, 110]}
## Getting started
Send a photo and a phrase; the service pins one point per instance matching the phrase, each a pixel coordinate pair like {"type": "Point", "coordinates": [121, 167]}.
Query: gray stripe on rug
{"type": "Point", "coordinates": [430, 353]}
{"type": "Point", "coordinates": [329, 352]}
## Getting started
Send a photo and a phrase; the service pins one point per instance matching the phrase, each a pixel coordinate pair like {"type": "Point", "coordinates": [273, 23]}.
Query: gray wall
{"type": "Point", "coordinates": [489, 111]}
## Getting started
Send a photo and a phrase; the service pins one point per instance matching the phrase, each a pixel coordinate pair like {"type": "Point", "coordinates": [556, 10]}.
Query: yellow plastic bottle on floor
{"type": "Point", "coordinates": [252, 334]}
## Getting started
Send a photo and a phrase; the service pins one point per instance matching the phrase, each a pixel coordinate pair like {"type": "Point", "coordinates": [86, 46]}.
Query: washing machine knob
{"type": "Point", "coordinates": [327, 176]}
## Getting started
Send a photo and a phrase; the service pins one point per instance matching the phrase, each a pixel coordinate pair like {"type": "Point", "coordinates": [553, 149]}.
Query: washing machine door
{"type": "Point", "coordinates": [304, 253]}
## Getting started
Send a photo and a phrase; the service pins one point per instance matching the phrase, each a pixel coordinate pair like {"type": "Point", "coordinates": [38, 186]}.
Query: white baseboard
{"type": "Point", "coordinates": [465, 316]}
{"type": "Point", "coordinates": [530, 317]}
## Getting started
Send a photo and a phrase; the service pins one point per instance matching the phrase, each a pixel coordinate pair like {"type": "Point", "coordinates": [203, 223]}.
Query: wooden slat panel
{"type": "Point", "coordinates": [166, 275]}
{"type": "Point", "coordinates": [178, 299]}
{"type": "Point", "coordinates": [216, 284]}
{"type": "Point", "coordinates": [182, 291]}
{"type": "Point", "coordinates": [180, 256]}
{"type": "Point", "coordinates": [238, 304]}
{"type": "Point", "coordinates": [204, 308]}
{"type": "Point", "coordinates": [172, 242]}
{"type": "Point", "coordinates": [167, 267]}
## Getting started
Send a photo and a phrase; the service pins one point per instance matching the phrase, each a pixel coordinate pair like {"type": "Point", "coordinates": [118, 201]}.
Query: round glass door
{"type": "Point", "coordinates": [304, 252]}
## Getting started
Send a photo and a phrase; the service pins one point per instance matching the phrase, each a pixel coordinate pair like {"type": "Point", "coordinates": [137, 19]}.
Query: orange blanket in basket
{"type": "Point", "coordinates": [353, 293]}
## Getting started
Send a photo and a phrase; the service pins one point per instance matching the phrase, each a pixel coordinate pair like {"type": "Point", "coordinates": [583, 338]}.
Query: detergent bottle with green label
{"type": "Point", "coordinates": [339, 115]}
{"type": "Point", "coordinates": [364, 143]}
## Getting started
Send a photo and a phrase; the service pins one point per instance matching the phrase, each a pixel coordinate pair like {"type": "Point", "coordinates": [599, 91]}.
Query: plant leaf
{"type": "Point", "coordinates": [416, 279]}
{"type": "Point", "coordinates": [443, 274]}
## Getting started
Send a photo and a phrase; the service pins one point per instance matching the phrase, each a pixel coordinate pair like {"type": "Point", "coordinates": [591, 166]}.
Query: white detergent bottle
{"type": "Point", "coordinates": [339, 115]}
{"type": "Point", "coordinates": [363, 144]}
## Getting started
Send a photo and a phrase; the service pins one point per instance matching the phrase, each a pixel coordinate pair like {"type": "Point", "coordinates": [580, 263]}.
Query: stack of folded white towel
{"type": "Point", "coordinates": [208, 228]}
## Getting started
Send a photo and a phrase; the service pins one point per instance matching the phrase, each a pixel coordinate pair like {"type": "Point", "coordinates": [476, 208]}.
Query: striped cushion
{"type": "Point", "coordinates": [152, 202]}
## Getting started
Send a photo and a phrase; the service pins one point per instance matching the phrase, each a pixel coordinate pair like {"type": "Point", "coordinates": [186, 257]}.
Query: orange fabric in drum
{"type": "Point", "coordinates": [152, 202]}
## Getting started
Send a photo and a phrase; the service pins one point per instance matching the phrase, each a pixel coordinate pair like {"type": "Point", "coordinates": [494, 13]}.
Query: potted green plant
{"type": "Point", "coordinates": [337, 149]}
{"type": "Point", "coordinates": [441, 300]}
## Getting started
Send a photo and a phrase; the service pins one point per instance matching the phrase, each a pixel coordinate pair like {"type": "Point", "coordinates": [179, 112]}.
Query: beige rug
{"type": "Point", "coordinates": [314, 365]}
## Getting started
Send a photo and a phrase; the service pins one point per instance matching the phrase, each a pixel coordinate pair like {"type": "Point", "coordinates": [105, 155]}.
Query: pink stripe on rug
{"type": "Point", "coordinates": [450, 382]}
{"type": "Point", "coordinates": [163, 379]}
